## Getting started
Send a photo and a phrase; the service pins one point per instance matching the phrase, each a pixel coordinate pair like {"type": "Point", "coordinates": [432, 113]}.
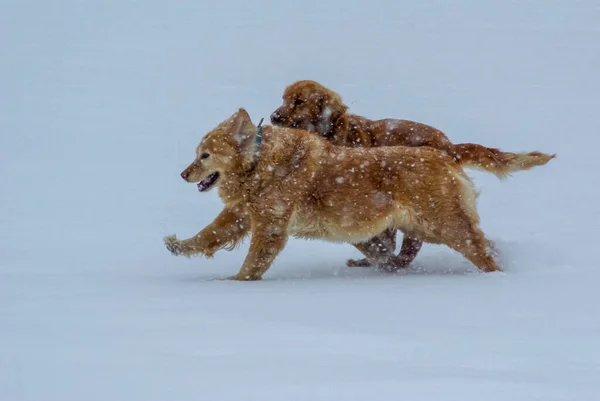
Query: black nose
{"type": "Point", "coordinates": [275, 117]}
{"type": "Point", "coordinates": [185, 174]}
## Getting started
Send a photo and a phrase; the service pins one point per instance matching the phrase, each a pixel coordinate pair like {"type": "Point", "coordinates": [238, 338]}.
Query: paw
{"type": "Point", "coordinates": [492, 268]}
{"type": "Point", "coordinates": [401, 261]}
{"type": "Point", "coordinates": [244, 277]}
{"type": "Point", "coordinates": [173, 245]}
{"type": "Point", "coordinates": [358, 263]}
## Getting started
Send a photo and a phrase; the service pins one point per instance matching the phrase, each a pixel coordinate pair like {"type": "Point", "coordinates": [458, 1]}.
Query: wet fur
{"type": "Point", "coordinates": [311, 106]}
{"type": "Point", "coordinates": [300, 185]}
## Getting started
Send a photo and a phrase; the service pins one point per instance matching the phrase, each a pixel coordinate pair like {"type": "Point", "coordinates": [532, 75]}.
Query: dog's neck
{"type": "Point", "coordinates": [236, 181]}
{"type": "Point", "coordinates": [259, 139]}
{"type": "Point", "coordinates": [347, 130]}
{"type": "Point", "coordinates": [335, 130]}
{"type": "Point", "coordinates": [251, 160]}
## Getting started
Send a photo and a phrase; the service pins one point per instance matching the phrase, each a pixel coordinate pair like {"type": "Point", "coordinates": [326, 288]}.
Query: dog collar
{"type": "Point", "coordinates": [259, 139]}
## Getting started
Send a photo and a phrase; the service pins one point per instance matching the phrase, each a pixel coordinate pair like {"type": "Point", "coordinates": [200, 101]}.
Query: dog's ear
{"type": "Point", "coordinates": [335, 103]}
{"type": "Point", "coordinates": [242, 129]}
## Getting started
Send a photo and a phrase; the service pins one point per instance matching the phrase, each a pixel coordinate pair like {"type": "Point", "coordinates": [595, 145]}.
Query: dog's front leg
{"type": "Point", "coordinates": [269, 236]}
{"type": "Point", "coordinates": [230, 226]}
{"type": "Point", "coordinates": [379, 250]}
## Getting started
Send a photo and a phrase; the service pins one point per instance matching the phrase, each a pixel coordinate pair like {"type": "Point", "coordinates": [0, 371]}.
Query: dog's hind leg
{"type": "Point", "coordinates": [469, 240]}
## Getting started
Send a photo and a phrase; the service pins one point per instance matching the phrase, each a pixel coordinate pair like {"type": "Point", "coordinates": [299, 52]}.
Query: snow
{"type": "Point", "coordinates": [101, 107]}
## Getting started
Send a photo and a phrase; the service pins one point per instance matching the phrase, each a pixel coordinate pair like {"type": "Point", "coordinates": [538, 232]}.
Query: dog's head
{"type": "Point", "coordinates": [310, 106]}
{"type": "Point", "coordinates": [227, 148]}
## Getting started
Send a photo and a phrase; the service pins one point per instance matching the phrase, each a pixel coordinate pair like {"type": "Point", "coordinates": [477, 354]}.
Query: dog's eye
{"type": "Point", "coordinates": [298, 102]}
{"type": "Point", "coordinates": [204, 156]}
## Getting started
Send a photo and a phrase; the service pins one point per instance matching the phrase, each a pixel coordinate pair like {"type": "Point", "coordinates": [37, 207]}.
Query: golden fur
{"type": "Point", "coordinates": [300, 185]}
{"type": "Point", "coordinates": [311, 106]}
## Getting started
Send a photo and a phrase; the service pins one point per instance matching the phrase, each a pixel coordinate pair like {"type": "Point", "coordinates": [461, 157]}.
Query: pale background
{"type": "Point", "coordinates": [101, 106]}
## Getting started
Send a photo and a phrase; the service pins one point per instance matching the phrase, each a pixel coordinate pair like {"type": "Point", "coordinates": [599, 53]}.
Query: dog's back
{"type": "Point", "coordinates": [393, 132]}
{"type": "Point", "coordinates": [345, 194]}
{"type": "Point", "coordinates": [311, 106]}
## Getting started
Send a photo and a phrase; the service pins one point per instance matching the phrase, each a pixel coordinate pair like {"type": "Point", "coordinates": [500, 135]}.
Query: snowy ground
{"type": "Point", "coordinates": [101, 106]}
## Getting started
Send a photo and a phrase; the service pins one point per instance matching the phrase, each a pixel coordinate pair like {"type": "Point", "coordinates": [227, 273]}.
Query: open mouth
{"type": "Point", "coordinates": [208, 182]}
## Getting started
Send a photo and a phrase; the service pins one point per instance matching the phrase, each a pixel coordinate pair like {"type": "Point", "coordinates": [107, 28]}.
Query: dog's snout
{"type": "Point", "coordinates": [185, 174]}
{"type": "Point", "coordinates": [275, 117]}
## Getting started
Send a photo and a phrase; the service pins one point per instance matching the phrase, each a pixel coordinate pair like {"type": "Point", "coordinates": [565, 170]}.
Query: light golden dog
{"type": "Point", "coordinates": [298, 184]}
{"type": "Point", "coordinates": [310, 106]}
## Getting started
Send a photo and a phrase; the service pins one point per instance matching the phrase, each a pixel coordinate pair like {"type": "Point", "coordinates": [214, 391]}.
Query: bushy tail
{"type": "Point", "coordinates": [494, 161]}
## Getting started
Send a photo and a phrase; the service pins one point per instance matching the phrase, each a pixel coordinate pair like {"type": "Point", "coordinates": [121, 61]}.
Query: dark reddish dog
{"type": "Point", "coordinates": [309, 105]}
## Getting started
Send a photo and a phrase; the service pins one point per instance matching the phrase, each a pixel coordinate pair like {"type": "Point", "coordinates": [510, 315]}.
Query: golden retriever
{"type": "Point", "coordinates": [310, 106]}
{"type": "Point", "coordinates": [295, 183]}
